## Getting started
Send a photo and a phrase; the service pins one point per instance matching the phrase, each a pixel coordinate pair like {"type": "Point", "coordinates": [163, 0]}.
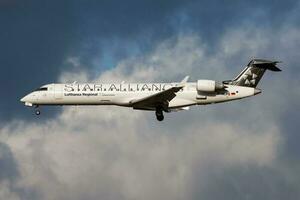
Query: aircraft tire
{"type": "Point", "coordinates": [37, 112]}
{"type": "Point", "coordinates": [160, 118]}
{"type": "Point", "coordinates": [159, 114]}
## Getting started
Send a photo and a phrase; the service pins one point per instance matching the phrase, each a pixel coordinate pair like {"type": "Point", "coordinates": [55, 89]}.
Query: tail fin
{"type": "Point", "coordinates": [252, 74]}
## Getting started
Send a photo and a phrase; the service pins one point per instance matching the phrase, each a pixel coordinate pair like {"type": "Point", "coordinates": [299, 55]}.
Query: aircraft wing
{"type": "Point", "coordinates": [158, 99]}
{"type": "Point", "coordinates": [154, 100]}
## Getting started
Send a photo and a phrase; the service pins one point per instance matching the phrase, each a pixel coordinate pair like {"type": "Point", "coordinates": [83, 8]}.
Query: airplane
{"type": "Point", "coordinates": [158, 97]}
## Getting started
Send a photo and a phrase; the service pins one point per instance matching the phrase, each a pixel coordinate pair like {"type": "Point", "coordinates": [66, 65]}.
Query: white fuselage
{"type": "Point", "coordinates": [123, 94]}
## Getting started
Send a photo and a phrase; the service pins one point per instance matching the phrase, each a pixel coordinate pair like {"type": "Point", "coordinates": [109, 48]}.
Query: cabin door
{"type": "Point", "coordinates": [58, 91]}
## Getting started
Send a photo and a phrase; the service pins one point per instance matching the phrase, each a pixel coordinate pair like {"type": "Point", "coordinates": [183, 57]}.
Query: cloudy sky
{"type": "Point", "coordinates": [247, 149]}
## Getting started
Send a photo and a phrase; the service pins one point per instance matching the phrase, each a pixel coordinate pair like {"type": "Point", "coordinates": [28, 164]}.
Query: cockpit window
{"type": "Point", "coordinates": [42, 89]}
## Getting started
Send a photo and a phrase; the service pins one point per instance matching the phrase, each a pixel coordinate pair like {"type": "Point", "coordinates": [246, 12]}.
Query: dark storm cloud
{"type": "Point", "coordinates": [146, 23]}
{"type": "Point", "coordinates": [212, 17]}
{"type": "Point", "coordinates": [243, 182]}
{"type": "Point", "coordinates": [37, 36]}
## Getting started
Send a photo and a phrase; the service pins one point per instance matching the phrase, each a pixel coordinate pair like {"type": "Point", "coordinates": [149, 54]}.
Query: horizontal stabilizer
{"type": "Point", "coordinates": [265, 64]}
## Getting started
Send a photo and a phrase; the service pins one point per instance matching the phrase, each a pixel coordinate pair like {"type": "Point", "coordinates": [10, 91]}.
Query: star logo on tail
{"type": "Point", "coordinates": [250, 78]}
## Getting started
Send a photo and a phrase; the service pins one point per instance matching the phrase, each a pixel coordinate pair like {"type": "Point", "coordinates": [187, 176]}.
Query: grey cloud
{"type": "Point", "coordinates": [7, 163]}
{"type": "Point", "coordinates": [9, 176]}
{"type": "Point", "coordinates": [95, 158]}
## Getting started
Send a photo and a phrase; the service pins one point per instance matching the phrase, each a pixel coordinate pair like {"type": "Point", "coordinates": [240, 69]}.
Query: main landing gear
{"type": "Point", "coordinates": [37, 111]}
{"type": "Point", "coordinates": [159, 114]}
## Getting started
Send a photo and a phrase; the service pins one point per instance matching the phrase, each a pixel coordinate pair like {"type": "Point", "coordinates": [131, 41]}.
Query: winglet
{"type": "Point", "coordinates": [185, 79]}
{"type": "Point", "coordinates": [183, 82]}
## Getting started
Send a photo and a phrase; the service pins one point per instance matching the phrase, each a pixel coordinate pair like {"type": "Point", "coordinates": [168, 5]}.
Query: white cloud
{"type": "Point", "coordinates": [93, 155]}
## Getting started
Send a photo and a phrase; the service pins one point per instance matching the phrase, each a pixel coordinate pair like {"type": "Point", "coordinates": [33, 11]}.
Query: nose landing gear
{"type": "Point", "coordinates": [37, 111]}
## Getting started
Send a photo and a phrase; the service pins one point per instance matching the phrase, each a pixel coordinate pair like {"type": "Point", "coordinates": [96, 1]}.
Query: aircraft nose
{"type": "Point", "coordinates": [24, 99]}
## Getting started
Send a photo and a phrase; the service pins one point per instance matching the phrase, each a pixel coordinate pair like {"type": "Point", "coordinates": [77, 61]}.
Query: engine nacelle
{"type": "Point", "coordinates": [209, 86]}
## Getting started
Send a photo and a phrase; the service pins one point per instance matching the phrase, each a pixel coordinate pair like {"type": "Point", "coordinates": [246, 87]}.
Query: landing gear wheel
{"type": "Point", "coordinates": [159, 115]}
{"type": "Point", "coordinates": [37, 112]}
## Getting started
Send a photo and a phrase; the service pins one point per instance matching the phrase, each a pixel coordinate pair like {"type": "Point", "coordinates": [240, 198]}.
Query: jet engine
{"type": "Point", "coordinates": [209, 86]}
